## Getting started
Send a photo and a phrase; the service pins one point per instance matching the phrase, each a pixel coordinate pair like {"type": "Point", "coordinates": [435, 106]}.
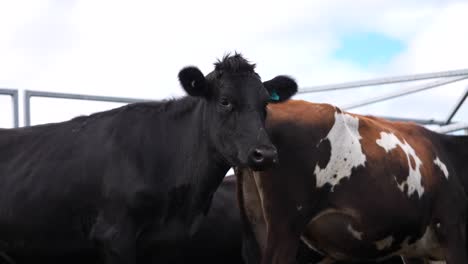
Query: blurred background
{"type": "Point", "coordinates": [136, 48]}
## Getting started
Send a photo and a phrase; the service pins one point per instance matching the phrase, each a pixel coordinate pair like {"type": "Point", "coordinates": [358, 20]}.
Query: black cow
{"type": "Point", "coordinates": [217, 240]}
{"type": "Point", "coordinates": [123, 180]}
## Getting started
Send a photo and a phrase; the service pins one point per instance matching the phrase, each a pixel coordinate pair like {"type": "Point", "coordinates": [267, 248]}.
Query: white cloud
{"type": "Point", "coordinates": [439, 45]}
{"type": "Point", "coordinates": [436, 41]}
{"type": "Point", "coordinates": [136, 48]}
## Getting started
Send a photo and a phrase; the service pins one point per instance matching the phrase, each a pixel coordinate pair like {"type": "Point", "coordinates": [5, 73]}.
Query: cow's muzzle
{"type": "Point", "coordinates": [261, 158]}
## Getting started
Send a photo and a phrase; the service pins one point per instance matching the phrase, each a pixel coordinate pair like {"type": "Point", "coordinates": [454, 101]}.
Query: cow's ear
{"type": "Point", "coordinates": [193, 81]}
{"type": "Point", "coordinates": [281, 88]}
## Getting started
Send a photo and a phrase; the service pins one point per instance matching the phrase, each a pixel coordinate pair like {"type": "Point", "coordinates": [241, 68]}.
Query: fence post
{"type": "Point", "coordinates": [27, 108]}
{"type": "Point", "coordinates": [15, 109]}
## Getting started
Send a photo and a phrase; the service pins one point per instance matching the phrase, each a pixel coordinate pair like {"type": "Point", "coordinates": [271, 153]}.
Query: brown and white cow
{"type": "Point", "coordinates": [355, 188]}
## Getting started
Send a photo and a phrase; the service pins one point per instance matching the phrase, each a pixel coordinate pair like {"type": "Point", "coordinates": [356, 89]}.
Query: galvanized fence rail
{"type": "Point", "coordinates": [385, 80]}
{"type": "Point", "coordinates": [15, 103]}
{"type": "Point", "coordinates": [28, 94]}
{"type": "Point", "coordinates": [443, 78]}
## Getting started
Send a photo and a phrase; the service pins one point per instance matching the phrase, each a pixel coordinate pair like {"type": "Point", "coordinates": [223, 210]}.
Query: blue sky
{"type": "Point", "coordinates": [366, 49]}
{"type": "Point", "coordinates": [136, 48]}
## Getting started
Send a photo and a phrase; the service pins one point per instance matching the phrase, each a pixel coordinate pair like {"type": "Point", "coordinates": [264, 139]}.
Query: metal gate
{"type": "Point", "coordinates": [440, 78]}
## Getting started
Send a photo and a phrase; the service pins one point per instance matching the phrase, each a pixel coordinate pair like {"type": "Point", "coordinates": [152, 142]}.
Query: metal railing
{"type": "Point", "coordinates": [15, 103]}
{"type": "Point", "coordinates": [444, 126]}
{"type": "Point", "coordinates": [28, 94]}
{"type": "Point", "coordinates": [452, 127]}
{"type": "Point", "coordinates": [445, 77]}
{"type": "Point", "coordinates": [385, 80]}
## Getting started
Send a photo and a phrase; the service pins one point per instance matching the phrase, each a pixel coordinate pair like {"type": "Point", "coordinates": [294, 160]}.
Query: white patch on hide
{"type": "Point", "coordinates": [384, 243]}
{"type": "Point", "coordinates": [389, 141]}
{"type": "Point", "coordinates": [356, 234]}
{"type": "Point", "coordinates": [442, 167]}
{"type": "Point", "coordinates": [346, 151]}
{"type": "Point", "coordinates": [427, 245]}
{"type": "Point", "coordinates": [310, 245]}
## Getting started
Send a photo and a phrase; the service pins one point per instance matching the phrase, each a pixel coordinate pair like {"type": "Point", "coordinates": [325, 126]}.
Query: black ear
{"type": "Point", "coordinates": [193, 81]}
{"type": "Point", "coordinates": [280, 88]}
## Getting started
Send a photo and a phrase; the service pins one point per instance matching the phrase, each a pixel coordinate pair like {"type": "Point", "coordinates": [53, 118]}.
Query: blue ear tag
{"type": "Point", "coordinates": [274, 96]}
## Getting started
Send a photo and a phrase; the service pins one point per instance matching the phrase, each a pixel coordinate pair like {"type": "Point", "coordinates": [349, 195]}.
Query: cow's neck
{"type": "Point", "coordinates": [215, 167]}
{"type": "Point", "coordinates": [190, 136]}
{"type": "Point", "coordinates": [199, 169]}
{"type": "Point", "coordinates": [193, 159]}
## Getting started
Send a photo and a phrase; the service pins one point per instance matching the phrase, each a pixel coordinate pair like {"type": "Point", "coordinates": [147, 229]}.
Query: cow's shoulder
{"type": "Point", "coordinates": [300, 111]}
{"type": "Point", "coordinates": [298, 120]}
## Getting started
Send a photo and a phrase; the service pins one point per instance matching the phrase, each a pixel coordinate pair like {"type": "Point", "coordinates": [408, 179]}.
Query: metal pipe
{"type": "Point", "coordinates": [84, 97]}
{"type": "Point", "coordinates": [27, 108]}
{"type": "Point", "coordinates": [380, 81]}
{"type": "Point", "coordinates": [29, 93]}
{"type": "Point", "coordinates": [452, 127]}
{"type": "Point", "coordinates": [7, 91]}
{"type": "Point", "coordinates": [15, 106]}
{"type": "Point", "coordinates": [14, 96]}
{"type": "Point", "coordinates": [415, 120]}
{"type": "Point", "coordinates": [457, 106]}
{"type": "Point", "coordinates": [402, 92]}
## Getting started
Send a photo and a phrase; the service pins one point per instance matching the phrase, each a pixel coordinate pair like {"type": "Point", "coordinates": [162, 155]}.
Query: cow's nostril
{"type": "Point", "coordinates": [257, 155]}
{"type": "Point", "coordinates": [261, 158]}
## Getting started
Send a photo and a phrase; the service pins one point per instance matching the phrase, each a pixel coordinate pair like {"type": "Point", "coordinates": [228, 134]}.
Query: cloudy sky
{"type": "Point", "coordinates": [136, 48]}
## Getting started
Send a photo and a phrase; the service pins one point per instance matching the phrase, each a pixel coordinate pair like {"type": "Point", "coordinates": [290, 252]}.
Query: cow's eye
{"type": "Point", "coordinates": [224, 102]}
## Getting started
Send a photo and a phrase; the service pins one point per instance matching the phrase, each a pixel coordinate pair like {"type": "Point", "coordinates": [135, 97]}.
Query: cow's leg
{"type": "Point", "coordinates": [250, 250]}
{"type": "Point", "coordinates": [414, 260]}
{"type": "Point", "coordinates": [450, 226]}
{"type": "Point", "coordinates": [454, 241]}
{"type": "Point", "coordinates": [326, 260]}
{"type": "Point", "coordinates": [117, 239]}
{"type": "Point", "coordinates": [282, 245]}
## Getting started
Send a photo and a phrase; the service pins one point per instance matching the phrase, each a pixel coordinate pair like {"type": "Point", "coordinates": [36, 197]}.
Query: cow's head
{"type": "Point", "coordinates": [236, 100]}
